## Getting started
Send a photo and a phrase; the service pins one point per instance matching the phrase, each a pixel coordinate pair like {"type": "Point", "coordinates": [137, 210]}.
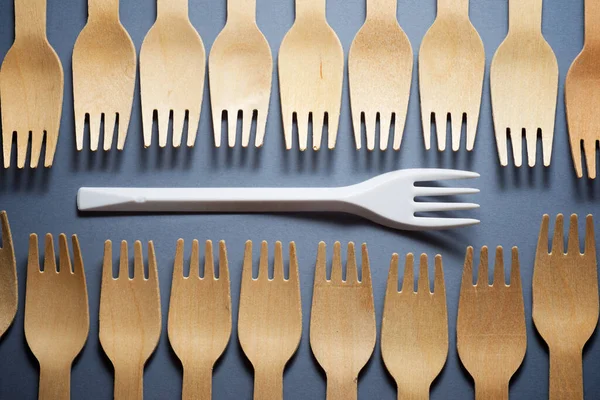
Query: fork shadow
{"type": "Point", "coordinates": [25, 180]}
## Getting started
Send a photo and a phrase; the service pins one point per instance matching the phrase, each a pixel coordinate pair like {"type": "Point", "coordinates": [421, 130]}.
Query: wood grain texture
{"type": "Point", "coordinates": [414, 329]}
{"type": "Point", "coordinates": [524, 86]}
{"type": "Point", "coordinates": [130, 317]}
{"type": "Point", "coordinates": [380, 66]}
{"type": "Point", "coordinates": [104, 69]}
{"type": "Point", "coordinates": [31, 88]}
{"type": "Point", "coordinates": [565, 302]}
{"type": "Point", "coordinates": [172, 72]}
{"type": "Point", "coordinates": [342, 320]}
{"type": "Point", "coordinates": [8, 276]}
{"type": "Point", "coordinates": [311, 74]}
{"type": "Point", "coordinates": [199, 317]}
{"type": "Point", "coordinates": [451, 71]}
{"type": "Point", "coordinates": [57, 320]}
{"type": "Point", "coordinates": [582, 95]}
{"type": "Point", "coordinates": [490, 330]}
{"type": "Point", "coordinates": [240, 69]}
{"type": "Point", "coordinates": [270, 318]}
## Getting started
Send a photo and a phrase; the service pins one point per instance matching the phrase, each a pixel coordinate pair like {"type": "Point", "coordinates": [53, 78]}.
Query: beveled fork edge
{"type": "Point", "coordinates": [499, 279]}
{"type": "Point", "coordinates": [423, 280]}
{"type": "Point", "coordinates": [209, 265]}
{"type": "Point", "coordinates": [573, 238]}
{"type": "Point", "coordinates": [50, 256]}
{"type": "Point", "coordinates": [138, 265]}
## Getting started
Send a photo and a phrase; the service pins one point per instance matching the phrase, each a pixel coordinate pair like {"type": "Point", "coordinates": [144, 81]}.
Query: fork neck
{"type": "Point", "coordinates": [525, 16]}
{"type": "Point", "coordinates": [592, 16]}
{"type": "Point", "coordinates": [382, 9]}
{"type": "Point", "coordinates": [103, 9]}
{"type": "Point", "coordinates": [241, 11]}
{"type": "Point", "coordinates": [172, 8]}
{"type": "Point", "coordinates": [30, 19]}
{"type": "Point", "coordinates": [310, 9]}
{"type": "Point", "coordinates": [453, 8]}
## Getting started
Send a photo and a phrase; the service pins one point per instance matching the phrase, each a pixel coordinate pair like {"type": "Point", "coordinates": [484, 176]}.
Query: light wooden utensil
{"type": "Point", "coordinates": [451, 71]}
{"type": "Point", "coordinates": [490, 330]}
{"type": "Point", "coordinates": [31, 88]}
{"type": "Point", "coordinates": [342, 320]}
{"type": "Point", "coordinates": [172, 74]}
{"type": "Point", "coordinates": [565, 302]}
{"type": "Point", "coordinates": [270, 319]}
{"type": "Point", "coordinates": [240, 69]}
{"type": "Point", "coordinates": [414, 329]}
{"type": "Point", "coordinates": [130, 319]}
{"type": "Point", "coordinates": [311, 74]}
{"type": "Point", "coordinates": [582, 99]}
{"type": "Point", "coordinates": [524, 85]}
{"type": "Point", "coordinates": [199, 317]}
{"type": "Point", "coordinates": [380, 66]}
{"type": "Point", "coordinates": [57, 320]}
{"type": "Point", "coordinates": [8, 277]}
{"type": "Point", "coordinates": [104, 68]}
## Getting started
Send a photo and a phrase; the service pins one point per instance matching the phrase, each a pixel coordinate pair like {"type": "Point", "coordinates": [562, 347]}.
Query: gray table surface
{"type": "Point", "coordinates": [512, 203]}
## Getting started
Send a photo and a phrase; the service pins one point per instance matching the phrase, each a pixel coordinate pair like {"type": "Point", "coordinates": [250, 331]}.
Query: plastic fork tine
{"type": "Point", "coordinates": [482, 274]}
{"type": "Point", "coordinates": [209, 262]}
{"type": "Point", "coordinates": [351, 270]}
{"type": "Point", "coordinates": [558, 239]}
{"type": "Point", "coordinates": [223, 263]}
{"type": "Point", "coordinates": [247, 266]}
{"type": "Point", "coordinates": [543, 238]}
{"type": "Point", "coordinates": [63, 254]}
{"type": "Point", "coordinates": [336, 265]}
{"type": "Point", "coordinates": [392, 282]}
{"type": "Point", "coordinates": [408, 282]}
{"type": "Point", "coordinates": [515, 270]}
{"type": "Point", "coordinates": [138, 261]}
{"type": "Point", "coordinates": [442, 175]}
{"type": "Point", "coordinates": [467, 276]}
{"type": "Point", "coordinates": [152, 267]}
{"type": "Point", "coordinates": [263, 266]}
{"type": "Point", "coordinates": [178, 265]}
{"type": "Point", "coordinates": [590, 241]}
{"type": "Point", "coordinates": [124, 262]}
{"type": "Point", "coordinates": [435, 207]}
{"type": "Point", "coordinates": [49, 255]}
{"type": "Point", "coordinates": [366, 268]}
{"type": "Point", "coordinates": [33, 260]}
{"type": "Point", "coordinates": [423, 191]}
{"type": "Point", "coordinates": [278, 263]}
{"type": "Point", "coordinates": [321, 266]}
{"type": "Point", "coordinates": [443, 223]}
{"type": "Point", "coordinates": [5, 237]}
{"type": "Point", "coordinates": [439, 287]}
{"type": "Point", "coordinates": [573, 239]}
{"type": "Point", "coordinates": [293, 276]}
{"type": "Point", "coordinates": [499, 267]}
{"type": "Point", "coordinates": [423, 283]}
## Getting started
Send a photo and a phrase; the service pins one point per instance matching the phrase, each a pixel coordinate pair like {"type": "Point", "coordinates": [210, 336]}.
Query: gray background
{"type": "Point", "coordinates": [512, 203]}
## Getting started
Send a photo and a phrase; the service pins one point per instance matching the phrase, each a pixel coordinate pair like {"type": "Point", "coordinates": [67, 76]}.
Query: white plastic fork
{"type": "Point", "coordinates": [387, 199]}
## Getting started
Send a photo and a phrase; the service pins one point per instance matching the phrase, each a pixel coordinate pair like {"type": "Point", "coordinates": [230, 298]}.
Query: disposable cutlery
{"type": "Point", "coordinates": [8, 277]}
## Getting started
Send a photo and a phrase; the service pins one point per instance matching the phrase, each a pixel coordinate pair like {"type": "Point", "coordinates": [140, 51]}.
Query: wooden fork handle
{"type": "Point", "coordinates": [310, 9]}
{"type": "Point", "coordinates": [456, 7]}
{"type": "Point", "coordinates": [55, 382]}
{"type": "Point", "coordinates": [30, 18]}
{"type": "Point", "coordinates": [592, 16]}
{"type": "Point", "coordinates": [103, 9]}
{"type": "Point", "coordinates": [491, 390]}
{"type": "Point", "coordinates": [129, 383]}
{"type": "Point", "coordinates": [197, 383]}
{"type": "Point", "coordinates": [566, 375]}
{"type": "Point", "coordinates": [241, 10]}
{"type": "Point", "coordinates": [268, 384]}
{"type": "Point", "coordinates": [341, 388]}
{"type": "Point", "coordinates": [382, 9]}
{"type": "Point", "coordinates": [172, 8]}
{"type": "Point", "coordinates": [525, 15]}
{"type": "Point", "coordinates": [413, 392]}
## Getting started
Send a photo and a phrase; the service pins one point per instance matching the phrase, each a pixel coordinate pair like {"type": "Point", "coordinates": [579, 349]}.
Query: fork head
{"type": "Point", "coordinates": [451, 72]}
{"type": "Point", "coordinates": [524, 87]}
{"type": "Point", "coordinates": [240, 69]}
{"type": "Point", "coordinates": [56, 303]}
{"type": "Point", "coordinates": [380, 75]}
{"type": "Point", "coordinates": [200, 308]}
{"type": "Point", "coordinates": [104, 68]}
{"type": "Point", "coordinates": [565, 285]}
{"type": "Point", "coordinates": [344, 306]}
{"type": "Point", "coordinates": [490, 330]}
{"type": "Point", "coordinates": [270, 312]}
{"type": "Point", "coordinates": [130, 317]}
{"type": "Point", "coordinates": [172, 78]}
{"type": "Point", "coordinates": [414, 328]}
{"type": "Point", "coordinates": [8, 276]}
{"type": "Point", "coordinates": [311, 73]}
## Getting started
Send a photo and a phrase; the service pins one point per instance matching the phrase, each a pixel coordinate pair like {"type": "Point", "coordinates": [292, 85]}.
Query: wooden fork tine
{"type": "Point", "coordinates": [515, 270]}
{"type": "Point", "coordinates": [209, 261]}
{"type": "Point", "coordinates": [178, 265]}
{"type": "Point", "coordinates": [590, 241]}
{"type": "Point", "coordinates": [110, 122]}
{"type": "Point", "coordinates": [333, 121]}
{"type": "Point", "coordinates": [392, 281]}
{"type": "Point", "coordinates": [6, 236]}
{"type": "Point", "coordinates": [439, 286]}
{"type": "Point", "coordinates": [366, 268]}
{"type": "Point", "coordinates": [107, 267]}
{"type": "Point", "coordinates": [63, 254]}
{"type": "Point", "coordinates": [385, 121]}
{"type": "Point", "coordinates": [542, 247]}
{"type": "Point", "coordinates": [336, 265]}
{"type": "Point", "coordinates": [408, 282]}
{"type": "Point", "coordinates": [33, 260]}
{"type": "Point", "coordinates": [558, 240]}
{"type": "Point", "coordinates": [178, 122]}
{"type": "Point", "coordinates": [138, 261]}
{"type": "Point", "coordinates": [302, 124]}
{"type": "Point", "coordinates": [423, 283]}
{"type": "Point", "coordinates": [246, 126]}
{"type": "Point", "coordinates": [223, 263]}
{"type": "Point", "coordinates": [194, 260]}
{"type": "Point", "coordinates": [318, 123]}
{"type": "Point", "coordinates": [351, 270]}
{"type": "Point", "coordinates": [321, 266]}
{"type": "Point", "coordinates": [467, 276]}
{"type": "Point", "coordinates": [123, 261]}
{"type": "Point", "coordinates": [573, 239]}
{"type": "Point", "coordinates": [193, 121]}
{"type": "Point", "coordinates": [499, 279]}
{"type": "Point", "coordinates": [482, 273]}
{"type": "Point", "coordinates": [278, 262]}
{"type": "Point", "coordinates": [294, 273]}
{"type": "Point", "coordinates": [261, 125]}
{"type": "Point", "coordinates": [263, 263]}
{"type": "Point", "coordinates": [247, 266]}
{"type": "Point", "coordinates": [152, 266]}
{"type": "Point", "coordinates": [49, 255]}
{"type": "Point", "coordinates": [590, 157]}
{"type": "Point", "coordinates": [232, 127]}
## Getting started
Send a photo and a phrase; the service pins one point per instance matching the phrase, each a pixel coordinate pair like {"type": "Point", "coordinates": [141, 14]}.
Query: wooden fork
{"type": "Point", "coordinates": [8, 277]}
{"type": "Point", "coordinates": [490, 329]}
{"type": "Point", "coordinates": [31, 88]}
{"type": "Point", "coordinates": [57, 320]}
{"type": "Point", "coordinates": [414, 329]}
{"type": "Point", "coordinates": [172, 74]}
{"type": "Point", "coordinates": [311, 74]}
{"type": "Point", "coordinates": [104, 68]}
{"type": "Point", "coordinates": [380, 66]}
{"type": "Point", "coordinates": [130, 319]}
{"type": "Point", "coordinates": [524, 85]}
{"type": "Point", "coordinates": [270, 319]}
{"type": "Point", "coordinates": [240, 69]}
{"type": "Point", "coordinates": [199, 317]}
{"type": "Point", "coordinates": [565, 302]}
{"type": "Point", "coordinates": [582, 95]}
{"type": "Point", "coordinates": [451, 70]}
{"type": "Point", "coordinates": [342, 321]}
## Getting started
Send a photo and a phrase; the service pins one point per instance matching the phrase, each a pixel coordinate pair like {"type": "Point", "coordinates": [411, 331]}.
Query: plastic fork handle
{"type": "Point", "coordinates": [210, 199]}
{"type": "Point", "coordinates": [55, 381]}
{"type": "Point", "coordinates": [566, 374]}
{"type": "Point", "coordinates": [30, 19]}
{"type": "Point", "coordinates": [525, 15]}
